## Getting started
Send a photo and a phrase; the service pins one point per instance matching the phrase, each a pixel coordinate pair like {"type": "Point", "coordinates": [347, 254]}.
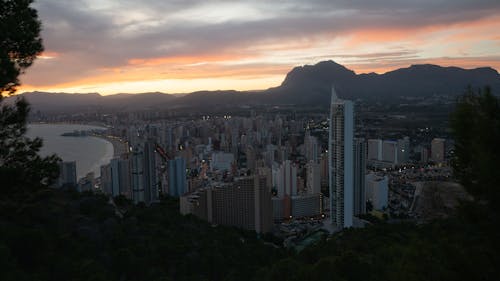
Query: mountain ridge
{"type": "Point", "coordinates": [304, 85]}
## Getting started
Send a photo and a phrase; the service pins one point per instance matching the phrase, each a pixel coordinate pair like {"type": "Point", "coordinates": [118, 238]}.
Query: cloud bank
{"type": "Point", "coordinates": [180, 46]}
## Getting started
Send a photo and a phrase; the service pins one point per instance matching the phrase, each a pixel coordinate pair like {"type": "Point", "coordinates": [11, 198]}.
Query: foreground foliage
{"type": "Point", "coordinates": [476, 128]}
{"type": "Point", "coordinates": [56, 235]}
{"type": "Point", "coordinates": [21, 167]}
{"type": "Point", "coordinates": [20, 41]}
{"type": "Point", "coordinates": [461, 248]}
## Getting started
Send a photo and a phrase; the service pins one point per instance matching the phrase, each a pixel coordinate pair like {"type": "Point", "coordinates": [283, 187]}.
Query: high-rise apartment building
{"type": "Point", "coordinates": [403, 150]}
{"type": "Point", "coordinates": [311, 147]}
{"type": "Point", "coordinates": [360, 152]}
{"type": "Point", "coordinates": [124, 176]}
{"type": "Point", "coordinates": [313, 180]}
{"type": "Point", "coordinates": [437, 150]}
{"type": "Point", "coordinates": [424, 155]}
{"type": "Point", "coordinates": [115, 177]}
{"type": "Point", "coordinates": [177, 177]}
{"type": "Point", "coordinates": [137, 174]}
{"type": "Point", "coordinates": [341, 162]}
{"type": "Point", "coordinates": [106, 179]}
{"type": "Point", "coordinates": [151, 183]}
{"type": "Point", "coordinates": [287, 179]}
{"type": "Point", "coordinates": [144, 174]}
{"type": "Point", "coordinates": [390, 151]}
{"type": "Point", "coordinates": [375, 149]}
{"type": "Point", "coordinates": [244, 203]}
{"type": "Point", "coordinates": [67, 174]}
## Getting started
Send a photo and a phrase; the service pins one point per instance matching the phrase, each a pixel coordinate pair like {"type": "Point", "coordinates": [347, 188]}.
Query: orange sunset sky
{"type": "Point", "coordinates": [183, 46]}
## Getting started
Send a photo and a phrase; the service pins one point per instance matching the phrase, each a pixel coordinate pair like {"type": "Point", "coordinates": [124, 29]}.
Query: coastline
{"type": "Point", "coordinates": [119, 146]}
{"type": "Point", "coordinates": [104, 160]}
{"type": "Point", "coordinates": [90, 154]}
{"type": "Point", "coordinates": [94, 124]}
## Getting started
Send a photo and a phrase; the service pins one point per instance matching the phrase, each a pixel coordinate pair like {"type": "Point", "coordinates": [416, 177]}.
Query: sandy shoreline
{"type": "Point", "coordinates": [119, 146]}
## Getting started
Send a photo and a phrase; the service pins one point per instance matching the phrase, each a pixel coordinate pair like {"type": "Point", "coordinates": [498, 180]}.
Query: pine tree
{"type": "Point", "coordinates": [21, 167]}
{"type": "Point", "coordinates": [475, 124]}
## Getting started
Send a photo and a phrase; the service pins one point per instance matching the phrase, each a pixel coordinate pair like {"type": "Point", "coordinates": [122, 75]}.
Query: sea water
{"type": "Point", "coordinates": [88, 152]}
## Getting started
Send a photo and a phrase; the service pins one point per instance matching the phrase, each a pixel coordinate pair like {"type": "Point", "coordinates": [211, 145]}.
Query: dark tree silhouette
{"type": "Point", "coordinates": [21, 168]}
{"type": "Point", "coordinates": [20, 41]}
{"type": "Point", "coordinates": [475, 125]}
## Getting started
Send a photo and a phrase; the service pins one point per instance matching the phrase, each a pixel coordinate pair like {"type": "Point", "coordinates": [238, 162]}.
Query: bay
{"type": "Point", "coordinates": [88, 152]}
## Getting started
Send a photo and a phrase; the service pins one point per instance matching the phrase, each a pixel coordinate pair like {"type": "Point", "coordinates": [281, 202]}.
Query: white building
{"type": "Point", "coordinates": [341, 162]}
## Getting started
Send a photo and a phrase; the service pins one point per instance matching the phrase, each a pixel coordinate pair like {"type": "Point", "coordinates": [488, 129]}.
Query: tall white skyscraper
{"type": "Point", "coordinates": [341, 162]}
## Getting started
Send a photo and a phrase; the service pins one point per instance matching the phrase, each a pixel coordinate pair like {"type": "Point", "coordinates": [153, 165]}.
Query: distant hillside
{"type": "Point", "coordinates": [311, 84]}
{"type": "Point", "coordinates": [305, 85]}
{"type": "Point", "coordinates": [65, 102]}
{"type": "Point", "coordinates": [219, 98]}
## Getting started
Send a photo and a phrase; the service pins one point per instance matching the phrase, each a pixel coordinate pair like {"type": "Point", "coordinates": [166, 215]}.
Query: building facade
{"type": "Point", "coordinates": [360, 153]}
{"type": "Point", "coordinates": [244, 203]}
{"type": "Point", "coordinates": [437, 150]}
{"type": "Point", "coordinates": [375, 149]}
{"type": "Point", "coordinates": [177, 177]}
{"type": "Point", "coordinates": [145, 183]}
{"type": "Point", "coordinates": [67, 174]}
{"type": "Point", "coordinates": [341, 162]}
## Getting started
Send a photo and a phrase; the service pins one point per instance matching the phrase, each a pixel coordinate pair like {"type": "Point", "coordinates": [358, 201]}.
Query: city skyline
{"type": "Point", "coordinates": [177, 47]}
{"type": "Point", "coordinates": [394, 178]}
